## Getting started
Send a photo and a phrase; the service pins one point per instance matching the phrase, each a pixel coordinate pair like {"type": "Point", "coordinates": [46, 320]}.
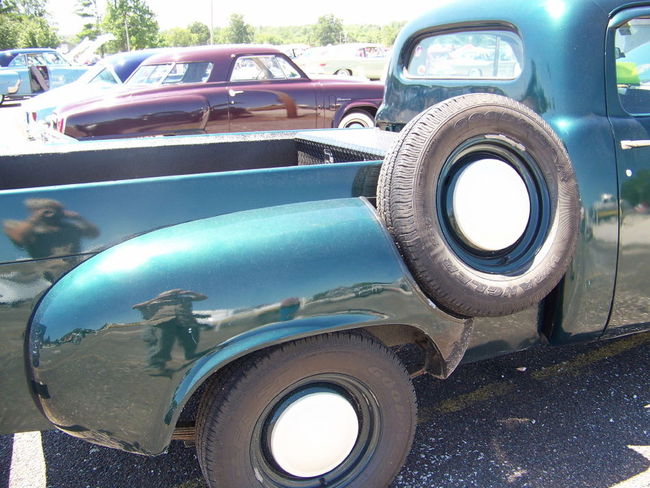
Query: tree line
{"type": "Point", "coordinates": [25, 23]}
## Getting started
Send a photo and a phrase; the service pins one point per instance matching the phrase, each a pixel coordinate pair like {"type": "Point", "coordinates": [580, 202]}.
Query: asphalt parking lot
{"type": "Point", "coordinates": [573, 416]}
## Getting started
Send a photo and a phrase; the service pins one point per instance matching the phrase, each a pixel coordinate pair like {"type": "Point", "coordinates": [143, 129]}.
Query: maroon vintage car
{"type": "Point", "coordinates": [234, 88]}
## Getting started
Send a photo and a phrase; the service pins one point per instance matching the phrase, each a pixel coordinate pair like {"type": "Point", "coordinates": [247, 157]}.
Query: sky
{"type": "Point", "coordinates": [181, 13]}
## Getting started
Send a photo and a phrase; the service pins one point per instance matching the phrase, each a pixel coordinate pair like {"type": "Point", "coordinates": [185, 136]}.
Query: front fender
{"type": "Point", "coordinates": [9, 82]}
{"type": "Point", "coordinates": [119, 344]}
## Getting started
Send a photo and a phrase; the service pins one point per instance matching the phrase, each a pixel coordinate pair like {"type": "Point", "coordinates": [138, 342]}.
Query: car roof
{"type": "Point", "coordinates": [29, 50]}
{"type": "Point", "coordinates": [125, 63]}
{"type": "Point", "coordinates": [218, 53]}
{"type": "Point", "coordinates": [8, 55]}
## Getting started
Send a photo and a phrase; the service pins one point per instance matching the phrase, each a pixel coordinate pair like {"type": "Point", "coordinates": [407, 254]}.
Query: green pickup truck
{"type": "Point", "coordinates": [247, 292]}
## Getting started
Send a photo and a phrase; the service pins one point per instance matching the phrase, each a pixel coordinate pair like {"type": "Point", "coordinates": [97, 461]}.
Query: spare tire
{"type": "Point", "coordinates": [481, 199]}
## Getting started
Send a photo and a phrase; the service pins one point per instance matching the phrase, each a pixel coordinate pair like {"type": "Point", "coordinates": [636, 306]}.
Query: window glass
{"type": "Point", "coordinates": [467, 55]}
{"type": "Point", "coordinates": [289, 71]}
{"type": "Point", "coordinates": [18, 61]}
{"type": "Point", "coordinates": [171, 74]}
{"type": "Point", "coordinates": [35, 60]}
{"type": "Point", "coordinates": [53, 58]}
{"type": "Point", "coordinates": [149, 75]}
{"type": "Point", "coordinates": [248, 68]}
{"type": "Point", "coordinates": [104, 76]}
{"type": "Point", "coordinates": [632, 49]}
{"type": "Point", "coordinates": [175, 74]}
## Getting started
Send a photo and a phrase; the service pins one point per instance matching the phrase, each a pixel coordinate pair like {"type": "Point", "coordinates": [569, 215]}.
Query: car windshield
{"type": "Point", "coordinates": [171, 74]}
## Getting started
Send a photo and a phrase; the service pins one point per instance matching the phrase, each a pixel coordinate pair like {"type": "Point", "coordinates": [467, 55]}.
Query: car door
{"type": "Point", "coordinates": [19, 65]}
{"type": "Point", "coordinates": [268, 92]}
{"type": "Point", "coordinates": [628, 99]}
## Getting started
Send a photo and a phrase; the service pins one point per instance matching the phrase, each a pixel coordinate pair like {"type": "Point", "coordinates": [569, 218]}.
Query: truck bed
{"type": "Point", "coordinates": [125, 159]}
{"type": "Point", "coordinates": [129, 187]}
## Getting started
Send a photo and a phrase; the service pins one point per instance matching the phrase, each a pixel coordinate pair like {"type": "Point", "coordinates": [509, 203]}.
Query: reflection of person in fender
{"type": "Point", "coordinates": [169, 317]}
{"type": "Point", "coordinates": [50, 229]}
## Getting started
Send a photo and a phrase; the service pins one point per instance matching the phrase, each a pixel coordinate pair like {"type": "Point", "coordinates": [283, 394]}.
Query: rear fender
{"type": "Point", "coordinates": [120, 343]}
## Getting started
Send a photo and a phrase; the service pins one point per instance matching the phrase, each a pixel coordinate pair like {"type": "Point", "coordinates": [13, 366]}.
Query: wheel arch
{"type": "Point", "coordinates": [433, 362]}
{"type": "Point", "coordinates": [359, 283]}
{"type": "Point", "coordinates": [358, 105]}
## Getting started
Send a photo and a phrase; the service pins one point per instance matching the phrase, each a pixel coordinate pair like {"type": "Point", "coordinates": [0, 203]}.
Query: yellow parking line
{"type": "Point", "coordinates": [500, 388]}
{"type": "Point", "coordinates": [484, 393]}
{"type": "Point", "coordinates": [608, 350]}
{"type": "Point", "coordinates": [195, 483]}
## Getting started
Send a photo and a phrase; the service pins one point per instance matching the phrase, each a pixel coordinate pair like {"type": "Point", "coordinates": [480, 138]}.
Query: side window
{"type": "Point", "coordinates": [288, 70]}
{"type": "Point", "coordinates": [632, 50]}
{"type": "Point", "coordinates": [249, 68]}
{"type": "Point", "coordinates": [53, 59]}
{"type": "Point", "coordinates": [150, 74]}
{"type": "Point", "coordinates": [105, 76]}
{"type": "Point", "coordinates": [35, 60]}
{"type": "Point", "coordinates": [19, 60]}
{"type": "Point", "coordinates": [472, 55]}
{"type": "Point", "coordinates": [188, 73]}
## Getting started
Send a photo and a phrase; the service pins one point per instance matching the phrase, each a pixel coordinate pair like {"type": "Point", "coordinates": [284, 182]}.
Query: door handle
{"type": "Point", "coordinates": [232, 92]}
{"type": "Point", "coordinates": [634, 144]}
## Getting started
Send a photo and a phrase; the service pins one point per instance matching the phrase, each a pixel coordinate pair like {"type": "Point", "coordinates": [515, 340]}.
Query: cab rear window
{"type": "Point", "coordinates": [471, 55]}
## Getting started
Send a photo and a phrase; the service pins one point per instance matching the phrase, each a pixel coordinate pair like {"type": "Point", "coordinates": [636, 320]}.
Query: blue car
{"type": "Point", "coordinates": [27, 72]}
{"type": "Point", "coordinates": [107, 73]}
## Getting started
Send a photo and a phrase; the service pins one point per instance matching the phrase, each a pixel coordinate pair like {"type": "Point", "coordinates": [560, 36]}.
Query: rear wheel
{"type": "Point", "coordinates": [331, 411]}
{"type": "Point", "coordinates": [343, 72]}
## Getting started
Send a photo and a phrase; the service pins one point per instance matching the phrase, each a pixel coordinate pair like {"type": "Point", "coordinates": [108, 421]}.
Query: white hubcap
{"type": "Point", "coordinates": [491, 205]}
{"type": "Point", "coordinates": [314, 434]}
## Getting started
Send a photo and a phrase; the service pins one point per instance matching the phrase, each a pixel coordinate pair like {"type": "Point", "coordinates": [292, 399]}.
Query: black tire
{"type": "Point", "coordinates": [357, 119]}
{"type": "Point", "coordinates": [237, 413]}
{"type": "Point", "coordinates": [416, 194]}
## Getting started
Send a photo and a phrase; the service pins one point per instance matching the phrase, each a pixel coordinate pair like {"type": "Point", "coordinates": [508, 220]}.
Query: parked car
{"type": "Point", "coordinates": [294, 50]}
{"type": "Point", "coordinates": [364, 60]}
{"type": "Point", "coordinates": [108, 73]}
{"type": "Point", "coordinates": [28, 72]}
{"type": "Point", "coordinates": [220, 89]}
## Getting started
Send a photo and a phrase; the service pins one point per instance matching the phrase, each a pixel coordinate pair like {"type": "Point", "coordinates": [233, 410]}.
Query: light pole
{"type": "Point", "coordinates": [211, 22]}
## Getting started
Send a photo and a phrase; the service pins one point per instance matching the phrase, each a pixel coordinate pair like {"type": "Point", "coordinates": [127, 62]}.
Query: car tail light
{"type": "Point", "coordinates": [34, 116]}
{"type": "Point", "coordinates": [60, 125]}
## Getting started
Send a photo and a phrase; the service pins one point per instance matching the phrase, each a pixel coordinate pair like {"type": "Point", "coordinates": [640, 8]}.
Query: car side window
{"type": "Point", "coordinates": [267, 67]}
{"type": "Point", "coordinates": [149, 74]}
{"type": "Point", "coordinates": [287, 69]}
{"type": "Point", "coordinates": [54, 59]}
{"type": "Point", "coordinates": [472, 55]}
{"type": "Point", "coordinates": [18, 61]}
{"type": "Point", "coordinates": [105, 76]}
{"type": "Point", "coordinates": [632, 52]}
{"type": "Point", "coordinates": [189, 73]}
